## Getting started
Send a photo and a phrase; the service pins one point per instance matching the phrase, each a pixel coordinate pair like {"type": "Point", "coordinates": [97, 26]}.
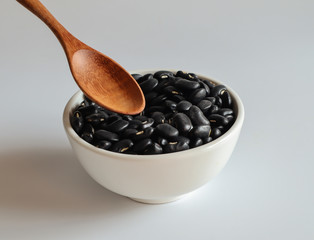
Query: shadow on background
{"type": "Point", "coordinates": [52, 180]}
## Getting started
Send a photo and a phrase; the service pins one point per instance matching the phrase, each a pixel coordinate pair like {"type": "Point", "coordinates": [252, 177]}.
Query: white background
{"type": "Point", "coordinates": [264, 50]}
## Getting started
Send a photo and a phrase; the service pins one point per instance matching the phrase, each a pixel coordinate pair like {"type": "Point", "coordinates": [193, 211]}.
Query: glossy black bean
{"type": "Point", "coordinates": [197, 117]}
{"type": "Point", "coordinates": [170, 105]}
{"type": "Point", "coordinates": [181, 139]}
{"type": "Point", "coordinates": [136, 76]}
{"type": "Point", "coordinates": [96, 118]}
{"type": "Point", "coordinates": [212, 109]}
{"type": "Point", "coordinates": [176, 98]}
{"type": "Point", "coordinates": [211, 99]}
{"type": "Point", "coordinates": [122, 146]}
{"type": "Point", "coordinates": [145, 124]}
{"type": "Point", "coordinates": [196, 143]}
{"type": "Point", "coordinates": [184, 106]}
{"type": "Point", "coordinates": [156, 109]}
{"type": "Point", "coordinates": [210, 84]}
{"type": "Point", "coordinates": [167, 131]}
{"type": "Point", "coordinates": [225, 111]}
{"type": "Point", "coordinates": [215, 133]}
{"type": "Point", "coordinates": [134, 123]}
{"type": "Point", "coordinates": [202, 131]}
{"type": "Point", "coordinates": [182, 122]}
{"type": "Point", "coordinates": [204, 105]}
{"type": "Point", "coordinates": [175, 147]}
{"type": "Point", "coordinates": [127, 117]}
{"type": "Point", "coordinates": [217, 120]}
{"type": "Point", "coordinates": [218, 101]}
{"type": "Point", "coordinates": [87, 136]}
{"type": "Point", "coordinates": [154, 148]}
{"type": "Point", "coordinates": [87, 110]}
{"type": "Point", "coordinates": [197, 95]}
{"type": "Point", "coordinates": [161, 141]}
{"type": "Point", "coordinates": [128, 132]}
{"type": "Point", "coordinates": [141, 145]}
{"type": "Point", "coordinates": [77, 121]}
{"type": "Point", "coordinates": [158, 117]}
{"type": "Point", "coordinates": [160, 75]}
{"type": "Point", "coordinates": [158, 100]}
{"type": "Point", "coordinates": [207, 140]}
{"type": "Point", "coordinates": [205, 86]}
{"type": "Point", "coordinates": [189, 76]}
{"type": "Point", "coordinates": [145, 77]}
{"type": "Point", "coordinates": [186, 84]}
{"type": "Point", "coordinates": [171, 90]}
{"type": "Point", "coordinates": [146, 133]}
{"type": "Point", "coordinates": [218, 90]}
{"type": "Point", "coordinates": [103, 144]}
{"type": "Point", "coordinates": [148, 85]}
{"type": "Point", "coordinates": [117, 126]}
{"type": "Point", "coordinates": [112, 118]}
{"type": "Point", "coordinates": [150, 96]}
{"type": "Point", "coordinates": [226, 99]}
{"type": "Point", "coordinates": [102, 134]}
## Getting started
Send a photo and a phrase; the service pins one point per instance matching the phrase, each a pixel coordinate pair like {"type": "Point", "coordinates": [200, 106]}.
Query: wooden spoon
{"type": "Point", "coordinates": [100, 78]}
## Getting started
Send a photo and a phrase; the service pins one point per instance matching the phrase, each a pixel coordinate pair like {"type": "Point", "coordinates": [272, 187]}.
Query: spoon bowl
{"type": "Point", "coordinates": [100, 78]}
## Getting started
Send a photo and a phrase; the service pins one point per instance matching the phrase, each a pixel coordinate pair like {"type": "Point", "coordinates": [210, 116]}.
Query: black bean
{"type": "Point", "coordinates": [181, 139]}
{"type": "Point", "coordinates": [117, 126]}
{"type": "Point", "coordinates": [112, 118]}
{"type": "Point", "coordinates": [145, 77]}
{"type": "Point", "coordinates": [187, 84]}
{"type": "Point", "coordinates": [182, 122]}
{"type": "Point", "coordinates": [161, 141]}
{"type": "Point", "coordinates": [226, 99]}
{"type": "Point", "coordinates": [122, 145]}
{"type": "Point", "coordinates": [141, 118]}
{"type": "Point", "coordinates": [156, 109]}
{"type": "Point", "coordinates": [177, 98]}
{"type": "Point", "coordinates": [217, 120]}
{"type": "Point", "coordinates": [207, 140]}
{"type": "Point", "coordinates": [160, 75]}
{"type": "Point", "coordinates": [196, 142]}
{"type": "Point", "coordinates": [197, 117]}
{"type": "Point", "coordinates": [134, 123]}
{"type": "Point", "coordinates": [96, 118]}
{"type": "Point", "coordinates": [148, 85]}
{"type": "Point", "coordinates": [103, 144]}
{"type": "Point", "coordinates": [225, 111]}
{"type": "Point", "coordinates": [154, 148]}
{"type": "Point", "coordinates": [88, 137]}
{"type": "Point", "coordinates": [204, 105]}
{"type": "Point", "coordinates": [218, 90]}
{"type": "Point", "coordinates": [205, 86]}
{"type": "Point", "coordinates": [189, 76]}
{"type": "Point", "coordinates": [212, 99]}
{"type": "Point", "coordinates": [215, 133]}
{"type": "Point", "coordinates": [210, 84]}
{"type": "Point", "coordinates": [141, 145]}
{"type": "Point", "coordinates": [218, 101]}
{"type": "Point", "coordinates": [171, 90]}
{"type": "Point", "coordinates": [212, 109]}
{"type": "Point", "coordinates": [158, 100]}
{"type": "Point", "coordinates": [87, 110]}
{"type": "Point", "coordinates": [167, 131]}
{"type": "Point", "coordinates": [158, 117]}
{"type": "Point", "coordinates": [102, 134]}
{"type": "Point", "coordinates": [197, 95]}
{"type": "Point", "coordinates": [136, 76]}
{"type": "Point", "coordinates": [171, 105]}
{"type": "Point", "coordinates": [128, 132]}
{"type": "Point", "coordinates": [148, 123]}
{"type": "Point", "coordinates": [150, 96]}
{"type": "Point", "coordinates": [183, 106]}
{"type": "Point", "coordinates": [146, 133]}
{"type": "Point", "coordinates": [201, 131]}
{"type": "Point", "coordinates": [77, 121]}
{"type": "Point", "coordinates": [175, 147]}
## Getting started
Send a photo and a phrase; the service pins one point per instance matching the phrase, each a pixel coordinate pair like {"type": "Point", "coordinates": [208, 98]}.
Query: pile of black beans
{"type": "Point", "coordinates": [182, 112]}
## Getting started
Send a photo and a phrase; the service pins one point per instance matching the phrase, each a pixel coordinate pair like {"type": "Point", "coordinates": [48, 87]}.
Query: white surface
{"type": "Point", "coordinates": [262, 49]}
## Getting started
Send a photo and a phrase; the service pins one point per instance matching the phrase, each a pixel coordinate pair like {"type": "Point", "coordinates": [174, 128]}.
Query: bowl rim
{"type": "Point", "coordinates": [73, 101]}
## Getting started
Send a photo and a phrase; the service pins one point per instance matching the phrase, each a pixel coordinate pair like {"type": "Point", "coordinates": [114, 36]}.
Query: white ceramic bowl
{"type": "Point", "coordinates": [155, 178]}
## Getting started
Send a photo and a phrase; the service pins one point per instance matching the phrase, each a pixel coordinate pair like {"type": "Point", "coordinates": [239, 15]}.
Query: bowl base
{"type": "Point", "coordinates": [157, 201]}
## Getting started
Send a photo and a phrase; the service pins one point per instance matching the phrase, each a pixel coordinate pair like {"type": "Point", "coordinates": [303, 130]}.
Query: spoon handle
{"type": "Point", "coordinates": [69, 43]}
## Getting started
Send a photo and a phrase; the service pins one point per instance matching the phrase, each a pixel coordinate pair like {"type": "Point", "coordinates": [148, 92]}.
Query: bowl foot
{"type": "Point", "coordinates": [157, 201]}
